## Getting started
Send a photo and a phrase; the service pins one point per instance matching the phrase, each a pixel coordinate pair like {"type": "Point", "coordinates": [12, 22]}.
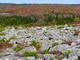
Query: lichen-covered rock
{"type": "Point", "coordinates": [27, 58]}
{"type": "Point", "coordinates": [44, 47]}
{"type": "Point", "coordinates": [47, 56]}
{"type": "Point", "coordinates": [59, 48]}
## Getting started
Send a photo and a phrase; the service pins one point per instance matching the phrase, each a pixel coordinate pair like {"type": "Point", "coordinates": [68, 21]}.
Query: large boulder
{"type": "Point", "coordinates": [44, 47]}
{"type": "Point", "coordinates": [47, 56]}
{"type": "Point", "coordinates": [27, 58]}
{"type": "Point", "coordinates": [61, 48]}
{"type": "Point", "coordinates": [40, 59]}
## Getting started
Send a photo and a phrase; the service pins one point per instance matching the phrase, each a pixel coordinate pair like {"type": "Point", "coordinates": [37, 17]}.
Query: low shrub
{"type": "Point", "coordinates": [34, 42]}
{"type": "Point", "coordinates": [45, 52]}
{"type": "Point", "coordinates": [38, 45]}
{"type": "Point", "coordinates": [26, 54]}
{"type": "Point", "coordinates": [33, 31]}
{"type": "Point", "coordinates": [60, 27]}
{"type": "Point", "coordinates": [51, 58]}
{"type": "Point", "coordinates": [60, 22]}
{"type": "Point", "coordinates": [10, 39]}
{"type": "Point", "coordinates": [52, 26]}
{"type": "Point", "coordinates": [2, 40]}
{"type": "Point", "coordinates": [47, 28]}
{"type": "Point", "coordinates": [16, 27]}
{"type": "Point", "coordinates": [45, 32]}
{"type": "Point", "coordinates": [3, 34]}
{"type": "Point", "coordinates": [17, 48]}
{"type": "Point", "coordinates": [69, 25]}
{"type": "Point", "coordinates": [54, 44]}
{"type": "Point", "coordinates": [67, 52]}
{"type": "Point", "coordinates": [65, 42]}
{"type": "Point", "coordinates": [2, 29]}
{"type": "Point", "coordinates": [78, 58]}
{"type": "Point", "coordinates": [43, 23]}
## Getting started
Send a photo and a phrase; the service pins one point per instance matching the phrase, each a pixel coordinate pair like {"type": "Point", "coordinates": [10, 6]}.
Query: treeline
{"type": "Point", "coordinates": [21, 20]}
{"type": "Point", "coordinates": [58, 20]}
{"type": "Point", "coordinates": [16, 20]}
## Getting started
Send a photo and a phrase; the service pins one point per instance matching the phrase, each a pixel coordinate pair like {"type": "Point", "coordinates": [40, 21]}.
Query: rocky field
{"type": "Point", "coordinates": [40, 43]}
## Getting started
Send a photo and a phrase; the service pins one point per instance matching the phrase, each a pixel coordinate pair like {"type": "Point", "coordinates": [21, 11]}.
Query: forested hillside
{"type": "Point", "coordinates": [37, 9]}
{"type": "Point", "coordinates": [43, 14]}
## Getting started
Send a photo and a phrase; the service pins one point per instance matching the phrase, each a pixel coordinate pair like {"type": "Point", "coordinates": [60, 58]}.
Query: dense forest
{"type": "Point", "coordinates": [21, 20]}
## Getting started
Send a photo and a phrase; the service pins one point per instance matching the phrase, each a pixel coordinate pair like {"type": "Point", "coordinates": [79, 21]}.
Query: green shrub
{"type": "Point", "coordinates": [2, 40]}
{"type": "Point", "coordinates": [10, 39]}
{"type": "Point", "coordinates": [67, 52]}
{"type": "Point", "coordinates": [38, 45]}
{"type": "Point", "coordinates": [61, 22]}
{"type": "Point", "coordinates": [51, 58]}
{"type": "Point", "coordinates": [43, 23]}
{"type": "Point", "coordinates": [69, 25]}
{"type": "Point", "coordinates": [78, 59]}
{"type": "Point", "coordinates": [65, 42]}
{"type": "Point", "coordinates": [45, 51]}
{"type": "Point", "coordinates": [17, 48]}
{"type": "Point", "coordinates": [16, 27]}
{"type": "Point", "coordinates": [2, 29]}
{"type": "Point", "coordinates": [26, 54]}
{"type": "Point", "coordinates": [2, 34]}
{"type": "Point", "coordinates": [60, 27]}
{"type": "Point", "coordinates": [54, 44]}
{"type": "Point", "coordinates": [45, 32]}
{"type": "Point", "coordinates": [41, 28]}
{"type": "Point", "coordinates": [52, 22]}
{"type": "Point", "coordinates": [47, 28]}
{"type": "Point", "coordinates": [34, 42]}
{"type": "Point", "coordinates": [52, 26]}
{"type": "Point", "coordinates": [33, 31]}
{"type": "Point", "coordinates": [48, 19]}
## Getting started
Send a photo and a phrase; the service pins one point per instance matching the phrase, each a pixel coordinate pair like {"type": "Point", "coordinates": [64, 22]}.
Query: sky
{"type": "Point", "coordinates": [41, 1]}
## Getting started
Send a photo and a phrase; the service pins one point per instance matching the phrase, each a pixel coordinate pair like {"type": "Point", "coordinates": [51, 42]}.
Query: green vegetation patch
{"type": "Point", "coordinates": [69, 25]}
{"type": "Point", "coordinates": [67, 52]}
{"type": "Point", "coordinates": [78, 59]}
{"type": "Point", "coordinates": [65, 42]}
{"type": "Point", "coordinates": [51, 58]}
{"type": "Point", "coordinates": [45, 32]}
{"type": "Point", "coordinates": [10, 39]}
{"type": "Point", "coordinates": [60, 27]}
{"type": "Point", "coordinates": [45, 51]}
{"type": "Point", "coordinates": [26, 54]}
{"type": "Point", "coordinates": [17, 20]}
{"type": "Point", "coordinates": [17, 48]}
{"type": "Point", "coordinates": [54, 44]}
{"type": "Point", "coordinates": [2, 29]}
{"type": "Point", "coordinates": [2, 40]}
{"type": "Point", "coordinates": [38, 45]}
{"type": "Point", "coordinates": [33, 31]}
{"type": "Point", "coordinates": [35, 43]}
{"type": "Point", "coordinates": [2, 34]}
